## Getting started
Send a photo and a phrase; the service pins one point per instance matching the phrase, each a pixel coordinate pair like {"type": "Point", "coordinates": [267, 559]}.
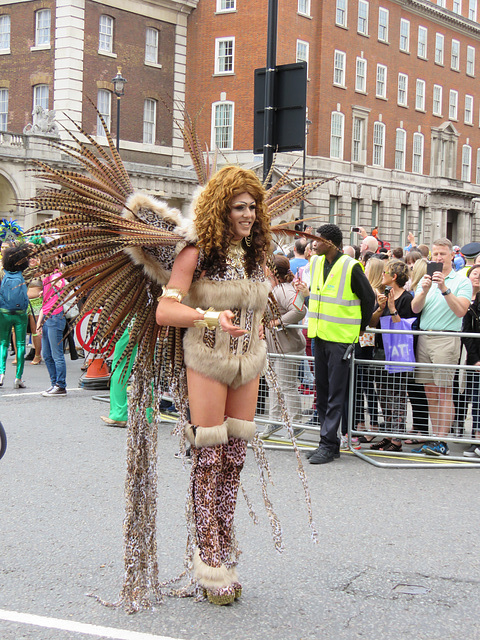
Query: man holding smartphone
{"type": "Point", "coordinates": [443, 299]}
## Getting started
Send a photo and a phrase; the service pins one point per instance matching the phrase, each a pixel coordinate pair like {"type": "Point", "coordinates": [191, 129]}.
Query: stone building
{"type": "Point", "coordinates": [60, 55]}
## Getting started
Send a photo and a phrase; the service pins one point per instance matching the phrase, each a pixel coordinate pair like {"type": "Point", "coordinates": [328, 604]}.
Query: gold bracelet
{"type": "Point", "coordinates": [210, 318]}
{"type": "Point", "coordinates": [175, 294]}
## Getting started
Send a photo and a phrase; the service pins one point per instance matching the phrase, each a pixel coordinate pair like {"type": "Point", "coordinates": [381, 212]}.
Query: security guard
{"type": "Point", "coordinates": [341, 305]}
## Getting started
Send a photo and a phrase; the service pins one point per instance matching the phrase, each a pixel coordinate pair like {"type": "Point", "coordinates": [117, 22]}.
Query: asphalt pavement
{"type": "Point", "coordinates": [398, 554]}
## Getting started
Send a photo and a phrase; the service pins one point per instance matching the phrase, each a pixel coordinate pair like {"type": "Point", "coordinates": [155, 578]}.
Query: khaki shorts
{"type": "Point", "coordinates": [437, 350]}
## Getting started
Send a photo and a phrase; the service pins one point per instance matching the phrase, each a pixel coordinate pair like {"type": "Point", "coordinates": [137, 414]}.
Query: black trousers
{"type": "Point", "coordinates": [331, 379]}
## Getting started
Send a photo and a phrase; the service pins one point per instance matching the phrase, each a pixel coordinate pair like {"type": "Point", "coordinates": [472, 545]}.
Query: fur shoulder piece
{"type": "Point", "coordinates": [157, 263]}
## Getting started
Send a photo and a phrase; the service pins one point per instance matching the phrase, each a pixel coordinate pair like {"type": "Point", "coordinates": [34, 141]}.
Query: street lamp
{"type": "Point", "coordinates": [119, 90]}
{"type": "Point", "coordinates": [302, 204]}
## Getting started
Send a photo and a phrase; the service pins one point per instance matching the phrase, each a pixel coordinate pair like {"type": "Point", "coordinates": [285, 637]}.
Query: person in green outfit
{"type": "Point", "coordinates": [118, 414]}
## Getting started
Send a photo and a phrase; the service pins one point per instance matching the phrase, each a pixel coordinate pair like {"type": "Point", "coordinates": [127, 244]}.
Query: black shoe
{"type": "Point", "coordinates": [322, 456]}
{"type": "Point", "coordinates": [74, 356]}
{"type": "Point", "coordinates": [30, 356]}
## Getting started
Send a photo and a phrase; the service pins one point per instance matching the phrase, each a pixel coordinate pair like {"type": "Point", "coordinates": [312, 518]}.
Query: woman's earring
{"type": "Point", "coordinates": [248, 240]}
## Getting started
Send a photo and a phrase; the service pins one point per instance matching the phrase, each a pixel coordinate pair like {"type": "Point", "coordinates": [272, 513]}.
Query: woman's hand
{"type": "Point", "coordinates": [225, 321]}
{"type": "Point", "coordinates": [391, 301]}
{"type": "Point", "coordinates": [382, 301]}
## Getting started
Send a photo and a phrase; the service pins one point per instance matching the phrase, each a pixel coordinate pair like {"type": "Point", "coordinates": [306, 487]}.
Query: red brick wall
{"type": "Point", "coordinates": [143, 81]}
{"type": "Point", "coordinates": [22, 68]}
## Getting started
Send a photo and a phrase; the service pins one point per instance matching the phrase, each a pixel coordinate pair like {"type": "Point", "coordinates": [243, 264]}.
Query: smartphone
{"type": "Point", "coordinates": [354, 229]}
{"type": "Point", "coordinates": [434, 266]}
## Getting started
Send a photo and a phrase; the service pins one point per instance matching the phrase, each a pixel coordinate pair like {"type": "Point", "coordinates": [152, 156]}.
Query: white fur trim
{"type": "Point", "coordinates": [210, 577]}
{"type": "Point", "coordinates": [241, 429]}
{"type": "Point", "coordinates": [207, 436]}
{"type": "Point", "coordinates": [229, 294]}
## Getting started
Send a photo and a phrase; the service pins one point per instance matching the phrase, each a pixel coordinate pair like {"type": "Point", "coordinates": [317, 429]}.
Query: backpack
{"type": "Point", "coordinates": [13, 292]}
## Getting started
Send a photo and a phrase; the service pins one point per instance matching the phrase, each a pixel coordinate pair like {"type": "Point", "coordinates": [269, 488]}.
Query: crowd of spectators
{"type": "Point", "coordinates": [436, 288]}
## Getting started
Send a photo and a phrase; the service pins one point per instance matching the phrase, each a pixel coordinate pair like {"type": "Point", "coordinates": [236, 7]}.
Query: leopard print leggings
{"type": "Point", "coordinates": [216, 477]}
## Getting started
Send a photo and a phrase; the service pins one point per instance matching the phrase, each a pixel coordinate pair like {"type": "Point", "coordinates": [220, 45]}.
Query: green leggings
{"type": "Point", "coordinates": [118, 382]}
{"type": "Point", "coordinates": [18, 321]}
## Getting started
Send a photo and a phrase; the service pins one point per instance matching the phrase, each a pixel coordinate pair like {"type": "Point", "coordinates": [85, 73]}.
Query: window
{"type": "Point", "coordinates": [455, 58]}
{"type": "Point", "coordinates": [336, 135]}
{"type": "Point", "coordinates": [224, 52]}
{"type": "Point", "coordinates": [468, 109]}
{"type": "Point", "coordinates": [422, 42]}
{"type": "Point", "coordinates": [357, 136]}
{"type": "Point", "coordinates": [472, 10]}
{"type": "Point", "coordinates": [421, 223]}
{"type": "Point", "coordinates": [4, 33]}
{"type": "Point", "coordinates": [470, 61]}
{"type": "Point", "coordinates": [3, 109]}
{"type": "Point", "coordinates": [229, 5]}
{"type": "Point", "coordinates": [40, 96]}
{"type": "Point", "coordinates": [457, 6]}
{"type": "Point", "coordinates": [105, 34]}
{"type": "Point", "coordinates": [151, 46]}
{"type": "Point", "coordinates": [42, 27]}
{"type": "Point", "coordinates": [453, 105]}
{"type": "Point", "coordinates": [302, 51]}
{"type": "Point", "coordinates": [400, 142]}
{"type": "Point", "coordinates": [404, 35]}
{"type": "Point", "coordinates": [442, 3]}
{"type": "Point", "coordinates": [149, 121]}
{"type": "Point", "coordinates": [478, 167]}
{"type": "Point", "coordinates": [383, 24]}
{"type": "Point", "coordinates": [403, 225]}
{"type": "Point", "coordinates": [361, 75]}
{"type": "Point", "coordinates": [402, 89]}
{"type": "Point", "coordinates": [222, 126]}
{"type": "Point", "coordinates": [341, 13]}
{"type": "Point", "coordinates": [420, 95]}
{"type": "Point", "coordinates": [303, 7]}
{"type": "Point", "coordinates": [332, 209]}
{"type": "Point", "coordinates": [375, 212]}
{"type": "Point", "coordinates": [354, 208]}
{"type": "Point", "coordinates": [362, 25]}
{"type": "Point", "coordinates": [466, 163]}
{"type": "Point", "coordinates": [381, 86]}
{"type": "Point", "coordinates": [104, 106]}
{"type": "Point", "coordinates": [439, 45]}
{"type": "Point", "coordinates": [378, 144]}
{"type": "Point", "coordinates": [339, 69]}
{"type": "Point", "coordinates": [417, 163]}
{"type": "Point", "coordinates": [437, 100]}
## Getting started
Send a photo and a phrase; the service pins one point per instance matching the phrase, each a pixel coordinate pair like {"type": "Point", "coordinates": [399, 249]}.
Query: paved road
{"type": "Point", "coordinates": [398, 557]}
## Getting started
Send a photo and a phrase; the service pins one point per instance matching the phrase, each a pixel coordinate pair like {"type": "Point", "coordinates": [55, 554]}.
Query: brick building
{"type": "Point", "coordinates": [392, 99]}
{"type": "Point", "coordinates": [60, 54]}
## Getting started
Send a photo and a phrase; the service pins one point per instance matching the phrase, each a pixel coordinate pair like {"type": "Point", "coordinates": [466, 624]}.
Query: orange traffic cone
{"type": "Point", "coordinates": [97, 368]}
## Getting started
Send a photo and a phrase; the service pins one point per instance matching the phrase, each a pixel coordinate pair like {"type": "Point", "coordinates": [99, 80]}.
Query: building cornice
{"type": "Point", "coordinates": [442, 16]}
{"type": "Point", "coordinates": [166, 10]}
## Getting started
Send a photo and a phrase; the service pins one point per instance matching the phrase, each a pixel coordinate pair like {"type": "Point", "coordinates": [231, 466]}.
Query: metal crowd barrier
{"type": "Point", "coordinates": [375, 394]}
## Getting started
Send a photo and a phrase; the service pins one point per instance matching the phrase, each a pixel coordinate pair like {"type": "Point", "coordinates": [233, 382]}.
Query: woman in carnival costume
{"type": "Point", "coordinates": [224, 356]}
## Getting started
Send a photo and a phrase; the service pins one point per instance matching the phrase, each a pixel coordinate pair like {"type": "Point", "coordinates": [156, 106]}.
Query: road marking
{"type": "Point", "coordinates": [20, 392]}
{"type": "Point", "coordinates": [77, 627]}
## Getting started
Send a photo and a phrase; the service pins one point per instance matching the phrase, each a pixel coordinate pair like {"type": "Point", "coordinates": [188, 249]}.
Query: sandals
{"type": "Point", "coordinates": [412, 440]}
{"type": "Point", "coordinates": [379, 446]}
{"type": "Point", "coordinates": [37, 360]}
{"type": "Point", "coordinates": [365, 439]}
{"type": "Point", "coordinates": [386, 445]}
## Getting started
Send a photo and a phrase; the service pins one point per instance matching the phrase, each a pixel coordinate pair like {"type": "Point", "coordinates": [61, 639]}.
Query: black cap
{"type": "Point", "coordinates": [471, 250]}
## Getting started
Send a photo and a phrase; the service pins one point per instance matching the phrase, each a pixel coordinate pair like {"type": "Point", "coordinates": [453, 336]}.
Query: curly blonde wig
{"type": "Point", "coordinates": [212, 217]}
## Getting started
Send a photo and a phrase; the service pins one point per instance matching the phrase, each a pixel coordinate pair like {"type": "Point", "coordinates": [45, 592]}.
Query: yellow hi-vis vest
{"type": "Point", "coordinates": [334, 312]}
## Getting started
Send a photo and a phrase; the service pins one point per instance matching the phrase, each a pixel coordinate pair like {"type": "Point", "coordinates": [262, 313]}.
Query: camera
{"type": "Point", "coordinates": [388, 288]}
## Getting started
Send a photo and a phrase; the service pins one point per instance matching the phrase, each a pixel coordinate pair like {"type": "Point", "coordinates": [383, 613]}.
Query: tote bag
{"type": "Point", "coordinates": [398, 346]}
